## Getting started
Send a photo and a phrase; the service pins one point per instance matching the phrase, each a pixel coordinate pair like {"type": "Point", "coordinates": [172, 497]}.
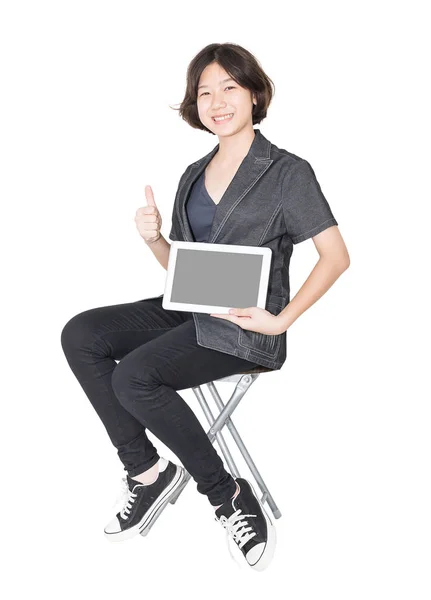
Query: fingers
{"type": "Point", "coordinates": [151, 215]}
{"type": "Point", "coordinates": [151, 208]}
{"type": "Point", "coordinates": [148, 219]}
{"type": "Point", "coordinates": [149, 196]}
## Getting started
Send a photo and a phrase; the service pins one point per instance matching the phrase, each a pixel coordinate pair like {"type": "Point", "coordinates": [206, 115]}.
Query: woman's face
{"type": "Point", "coordinates": [219, 97]}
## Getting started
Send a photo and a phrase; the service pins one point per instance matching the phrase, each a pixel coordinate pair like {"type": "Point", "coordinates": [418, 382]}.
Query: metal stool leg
{"type": "Point", "coordinates": [224, 418]}
{"type": "Point", "coordinates": [243, 383]}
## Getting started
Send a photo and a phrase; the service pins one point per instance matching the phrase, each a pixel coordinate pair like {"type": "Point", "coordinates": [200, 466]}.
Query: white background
{"type": "Point", "coordinates": [341, 434]}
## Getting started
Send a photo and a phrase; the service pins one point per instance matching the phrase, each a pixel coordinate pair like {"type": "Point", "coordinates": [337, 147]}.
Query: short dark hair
{"type": "Point", "coordinates": [241, 65]}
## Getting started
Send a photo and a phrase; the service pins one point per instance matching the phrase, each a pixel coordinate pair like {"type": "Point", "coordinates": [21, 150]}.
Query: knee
{"type": "Point", "coordinates": [77, 333]}
{"type": "Point", "coordinates": [132, 381]}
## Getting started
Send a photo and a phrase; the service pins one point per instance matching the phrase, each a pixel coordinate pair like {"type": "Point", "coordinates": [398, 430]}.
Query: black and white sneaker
{"type": "Point", "coordinates": [142, 504]}
{"type": "Point", "coordinates": [248, 524]}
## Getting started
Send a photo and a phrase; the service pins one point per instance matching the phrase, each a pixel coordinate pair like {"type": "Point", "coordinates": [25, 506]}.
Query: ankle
{"type": "Point", "coordinates": [234, 496]}
{"type": "Point", "coordinates": [149, 476]}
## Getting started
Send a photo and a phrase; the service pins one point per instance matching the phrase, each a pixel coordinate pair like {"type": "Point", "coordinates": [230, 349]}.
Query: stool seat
{"type": "Point", "coordinates": [238, 376]}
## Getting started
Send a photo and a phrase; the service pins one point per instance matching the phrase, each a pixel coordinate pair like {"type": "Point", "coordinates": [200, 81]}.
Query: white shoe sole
{"type": "Point", "coordinates": [152, 514]}
{"type": "Point", "coordinates": [268, 553]}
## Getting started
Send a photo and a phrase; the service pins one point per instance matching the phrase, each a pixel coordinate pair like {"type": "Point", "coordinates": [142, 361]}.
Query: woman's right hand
{"type": "Point", "coordinates": [148, 219]}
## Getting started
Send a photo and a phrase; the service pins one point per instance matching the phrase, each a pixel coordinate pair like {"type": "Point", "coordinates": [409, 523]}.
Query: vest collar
{"type": "Point", "coordinates": [251, 169]}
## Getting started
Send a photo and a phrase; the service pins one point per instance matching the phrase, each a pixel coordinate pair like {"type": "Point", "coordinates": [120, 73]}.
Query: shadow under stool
{"type": "Point", "coordinates": [243, 381]}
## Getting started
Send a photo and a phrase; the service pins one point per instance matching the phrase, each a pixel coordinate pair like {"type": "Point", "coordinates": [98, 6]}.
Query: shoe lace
{"type": "Point", "coordinates": [236, 528]}
{"type": "Point", "coordinates": [125, 499]}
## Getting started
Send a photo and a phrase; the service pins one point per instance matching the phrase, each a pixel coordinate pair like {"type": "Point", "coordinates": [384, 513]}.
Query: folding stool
{"type": "Point", "coordinates": [243, 381]}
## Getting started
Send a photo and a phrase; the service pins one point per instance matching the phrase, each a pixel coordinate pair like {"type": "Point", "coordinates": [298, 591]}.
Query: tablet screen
{"type": "Point", "coordinates": [216, 278]}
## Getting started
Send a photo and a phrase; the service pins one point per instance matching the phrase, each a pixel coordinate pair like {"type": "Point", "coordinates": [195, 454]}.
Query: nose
{"type": "Point", "coordinates": [218, 100]}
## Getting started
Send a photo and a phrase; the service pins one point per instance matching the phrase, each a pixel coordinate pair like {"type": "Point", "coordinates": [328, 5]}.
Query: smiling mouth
{"type": "Point", "coordinates": [226, 117]}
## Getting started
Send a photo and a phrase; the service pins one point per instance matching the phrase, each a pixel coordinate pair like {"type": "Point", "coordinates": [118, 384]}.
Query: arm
{"type": "Point", "coordinates": [333, 260]}
{"type": "Point", "coordinates": [161, 249]}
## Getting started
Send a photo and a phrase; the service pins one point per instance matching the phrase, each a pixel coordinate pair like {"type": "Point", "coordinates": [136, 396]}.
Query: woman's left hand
{"type": "Point", "coordinates": [253, 319]}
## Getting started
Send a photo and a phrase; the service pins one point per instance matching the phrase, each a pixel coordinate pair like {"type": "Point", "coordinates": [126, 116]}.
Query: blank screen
{"type": "Point", "coordinates": [216, 278]}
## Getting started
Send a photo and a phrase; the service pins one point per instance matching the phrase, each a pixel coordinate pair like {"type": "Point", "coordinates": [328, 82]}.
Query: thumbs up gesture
{"type": "Point", "coordinates": [148, 219]}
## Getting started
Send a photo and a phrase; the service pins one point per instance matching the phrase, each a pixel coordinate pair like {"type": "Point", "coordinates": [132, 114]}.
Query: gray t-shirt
{"type": "Point", "coordinates": [200, 210]}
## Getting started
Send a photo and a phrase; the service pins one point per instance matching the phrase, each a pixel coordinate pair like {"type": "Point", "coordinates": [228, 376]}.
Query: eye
{"type": "Point", "coordinates": [231, 87]}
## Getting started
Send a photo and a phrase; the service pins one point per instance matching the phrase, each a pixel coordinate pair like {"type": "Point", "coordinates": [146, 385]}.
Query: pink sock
{"type": "Point", "coordinates": [234, 496]}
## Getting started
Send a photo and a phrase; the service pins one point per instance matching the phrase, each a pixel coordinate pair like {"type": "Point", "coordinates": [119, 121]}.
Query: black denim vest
{"type": "Point", "coordinates": [274, 200]}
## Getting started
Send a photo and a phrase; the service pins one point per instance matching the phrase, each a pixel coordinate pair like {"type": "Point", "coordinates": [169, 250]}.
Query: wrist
{"type": "Point", "coordinates": [283, 322]}
{"type": "Point", "coordinates": [149, 243]}
{"type": "Point", "coordinates": [281, 329]}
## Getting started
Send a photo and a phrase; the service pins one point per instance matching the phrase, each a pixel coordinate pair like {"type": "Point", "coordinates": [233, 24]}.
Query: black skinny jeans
{"type": "Point", "coordinates": [158, 355]}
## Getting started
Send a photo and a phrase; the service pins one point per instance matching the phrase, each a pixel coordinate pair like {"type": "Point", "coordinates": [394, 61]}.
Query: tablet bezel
{"type": "Point", "coordinates": [266, 253]}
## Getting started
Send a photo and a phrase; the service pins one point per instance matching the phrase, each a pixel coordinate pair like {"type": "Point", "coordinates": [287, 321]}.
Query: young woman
{"type": "Point", "coordinates": [245, 191]}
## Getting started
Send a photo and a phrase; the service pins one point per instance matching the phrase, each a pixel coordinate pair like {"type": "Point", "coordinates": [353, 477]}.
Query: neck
{"type": "Point", "coordinates": [233, 148]}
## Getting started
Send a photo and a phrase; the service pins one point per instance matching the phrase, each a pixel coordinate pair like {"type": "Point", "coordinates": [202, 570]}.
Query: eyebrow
{"type": "Point", "coordinates": [222, 81]}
